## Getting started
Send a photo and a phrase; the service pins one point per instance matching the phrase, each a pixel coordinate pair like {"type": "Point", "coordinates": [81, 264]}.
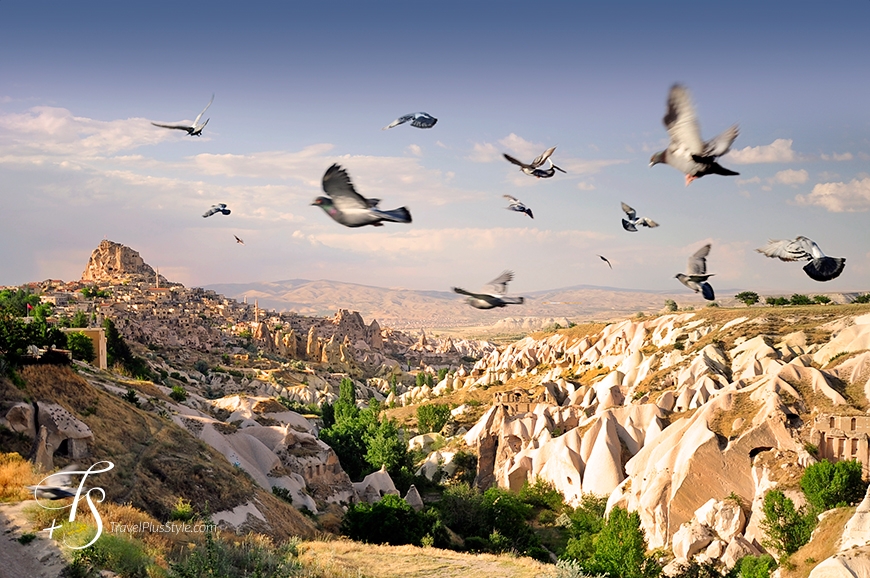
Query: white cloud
{"type": "Point", "coordinates": [790, 177]}
{"type": "Point", "coordinates": [779, 151]}
{"type": "Point", "coordinates": [837, 157]}
{"type": "Point", "coordinates": [584, 186]}
{"type": "Point", "coordinates": [55, 131]}
{"type": "Point", "coordinates": [484, 153]}
{"type": "Point", "coordinates": [851, 197]}
{"type": "Point", "coordinates": [415, 150]}
{"type": "Point", "coordinates": [521, 147]}
{"type": "Point", "coordinates": [750, 181]}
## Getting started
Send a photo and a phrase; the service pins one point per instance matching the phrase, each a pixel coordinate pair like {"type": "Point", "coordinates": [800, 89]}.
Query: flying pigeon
{"type": "Point", "coordinates": [820, 267]}
{"type": "Point", "coordinates": [696, 280]}
{"type": "Point", "coordinates": [533, 168]}
{"type": "Point", "coordinates": [418, 119]}
{"type": "Point", "coordinates": [496, 295]}
{"type": "Point", "coordinates": [61, 488]}
{"type": "Point", "coordinates": [518, 206]}
{"type": "Point", "coordinates": [239, 241]}
{"type": "Point", "coordinates": [351, 209]}
{"type": "Point", "coordinates": [193, 130]}
{"type": "Point", "coordinates": [219, 208]}
{"type": "Point", "coordinates": [686, 151]}
{"type": "Point", "coordinates": [633, 220]}
{"type": "Point", "coordinates": [603, 258]}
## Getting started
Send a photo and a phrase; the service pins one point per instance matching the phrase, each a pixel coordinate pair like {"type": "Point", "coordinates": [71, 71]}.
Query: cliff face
{"type": "Point", "coordinates": [112, 261]}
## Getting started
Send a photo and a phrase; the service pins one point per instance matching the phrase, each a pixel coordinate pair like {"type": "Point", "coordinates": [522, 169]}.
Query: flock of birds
{"type": "Point", "coordinates": [686, 152]}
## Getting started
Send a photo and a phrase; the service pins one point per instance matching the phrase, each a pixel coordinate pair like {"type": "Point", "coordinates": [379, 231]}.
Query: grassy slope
{"type": "Point", "coordinates": [156, 462]}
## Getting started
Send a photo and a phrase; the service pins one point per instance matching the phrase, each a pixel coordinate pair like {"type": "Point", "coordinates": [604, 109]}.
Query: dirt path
{"type": "Point", "coordinates": [40, 558]}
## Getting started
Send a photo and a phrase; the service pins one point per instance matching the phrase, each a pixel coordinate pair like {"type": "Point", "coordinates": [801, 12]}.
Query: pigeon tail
{"type": "Point", "coordinates": [707, 291]}
{"type": "Point", "coordinates": [400, 215]}
{"type": "Point", "coordinates": [717, 169]}
{"type": "Point", "coordinates": [513, 300]}
{"type": "Point", "coordinates": [825, 268]}
{"type": "Point", "coordinates": [629, 226]}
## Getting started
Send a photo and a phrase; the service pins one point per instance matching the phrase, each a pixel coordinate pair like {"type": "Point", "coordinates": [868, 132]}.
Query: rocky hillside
{"type": "Point", "coordinates": [112, 262]}
{"type": "Point", "coordinates": [687, 419]}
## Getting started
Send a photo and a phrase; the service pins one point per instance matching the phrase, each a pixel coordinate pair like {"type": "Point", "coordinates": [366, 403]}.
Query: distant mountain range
{"type": "Point", "coordinates": [407, 308]}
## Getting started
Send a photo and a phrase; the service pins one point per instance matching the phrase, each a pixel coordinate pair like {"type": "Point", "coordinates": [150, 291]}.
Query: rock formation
{"type": "Point", "coordinates": [114, 262]}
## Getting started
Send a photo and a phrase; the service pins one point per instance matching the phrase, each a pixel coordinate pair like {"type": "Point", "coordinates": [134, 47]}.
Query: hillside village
{"type": "Point", "coordinates": [688, 419]}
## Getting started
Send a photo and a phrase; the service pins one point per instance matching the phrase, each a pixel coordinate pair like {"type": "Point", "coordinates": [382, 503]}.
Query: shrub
{"type": "Point", "coordinates": [865, 298]}
{"type": "Point", "coordinates": [749, 298]}
{"type": "Point", "coordinates": [252, 556]}
{"type": "Point", "coordinates": [776, 301]}
{"type": "Point", "coordinates": [131, 397]}
{"type": "Point", "coordinates": [821, 299]}
{"type": "Point", "coordinates": [442, 373]}
{"type": "Point", "coordinates": [828, 485]}
{"type": "Point", "coordinates": [182, 510]}
{"type": "Point", "coordinates": [787, 528]}
{"type": "Point", "coordinates": [283, 493]}
{"type": "Point", "coordinates": [178, 393]}
{"type": "Point", "coordinates": [798, 299]}
{"type": "Point", "coordinates": [81, 346]}
{"type": "Point", "coordinates": [542, 494]}
{"type": "Point", "coordinates": [586, 521]}
{"type": "Point", "coordinates": [202, 367]}
{"type": "Point", "coordinates": [756, 566]}
{"type": "Point", "coordinates": [431, 417]}
{"type": "Point", "coordinates": [392, 521]}
{"type": "Point", "coordinates": [119, 554]}
{"type": "Point", "coordinates": [620, 548]}
{"type": "Point", "coordinates": [670, 305]}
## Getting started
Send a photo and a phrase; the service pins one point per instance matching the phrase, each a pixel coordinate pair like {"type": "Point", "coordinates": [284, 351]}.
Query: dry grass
{"type": "Point", "coordinates": [156, 462]}
{"type": "Point", "coordinates": [15, 473]}
{"type": "Point", "coordinates": [741, 407]}
{"type": "Point", "coordinates": [822, 545]}
{"type": "Point", "coordinates": [345, 558]}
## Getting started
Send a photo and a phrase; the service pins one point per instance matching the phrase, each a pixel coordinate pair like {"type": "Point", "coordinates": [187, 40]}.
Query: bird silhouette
{"type": "Point", "coordinates": [533, 168]}
{"type": "Point", "coordinates": [351, 209]}
{"type": "Point", "coordinates": [686, 151]}
{"type": "Point", "coordinates": [603, 258]}
{"type": "Point", "coordinates": [495, 297]}
{"type": "Point", "coordinates": [239, 241]}
{"type": "Point", "coordinates": [697, 276]}
{"type": "Point", "coordinates": [417, 119]}
{"type": "Point", "coordinates": [516, 205]}
{"type": "Point", "coordinates": [194, 129]}
{"type": "Point", "coordinates": [219, 208]}
{"type": "Point", "coordinates": [633, 221]}
{"type": "Point", "coordinates": [820, 266]}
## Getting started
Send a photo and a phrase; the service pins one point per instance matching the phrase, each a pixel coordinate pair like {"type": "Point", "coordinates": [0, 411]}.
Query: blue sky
{"type": "Point", "coordinates": [299, 86]}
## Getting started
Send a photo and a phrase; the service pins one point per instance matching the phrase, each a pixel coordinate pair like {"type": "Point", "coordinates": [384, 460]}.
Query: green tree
{"type": "Point", "coordinates": [798, 299]}
{"type": "Point", "coordinates": [16, 301]}
{"type": "Point", "coordinates": [822, 299]}
{"type": "Point", "coordinates": [392, 521]}
{"type": "Point", "coordinates": [786, 527]}
{"type": "Point", "coordinates": [81, 346]}
{"type": "Point", "coordinates": [345, 406]}
{"type": "Point", "coordinates": [828, 485]}
{"type": "Point", "coordinates": [671, 305]}
{"type": "Point", "coordinates": [620, 549]}
{"type": "Point", "coordinates": [442, 373]}
{"type": "Point", "coordinates": [431, 417]}
{"type": "Point", "coordinates": [385, 448]}
{"type": "Point", "coordinates": [587, 520]}
{"type": "Point", "coordinates": [507, 515]}
{"type": "Point", "coordinates": [776, 301]}
{"type": "Point", "coordinates": [756, 566]}
{"type": "Point", "coordinates": [865, 298]}
{"type": "Point", "coordinates": [749, 298]}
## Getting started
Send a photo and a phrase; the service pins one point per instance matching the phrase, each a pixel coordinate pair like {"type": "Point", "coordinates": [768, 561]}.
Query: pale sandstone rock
{"type": "Point", "coordinates": [690, 539]}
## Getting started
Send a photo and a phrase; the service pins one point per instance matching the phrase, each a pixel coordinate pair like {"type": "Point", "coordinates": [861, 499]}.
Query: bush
{"type": "Point", "coordinates": [620, 549]}
{"type": "Point", "coordinates": [131, 397]}
{"type": "Point", "coordinates": [182, 510]}
{"type": "Point", "coordinates": [201, 366]}
{"type": "Point", "coordinates": [81, 346]}
{"type": "Point", "coordinates": [119, 554]}
{"type": "Point", "coordinates": [822, 299]}
{"type": "Point", "coordinates": [252, 556]}
{"type": "Point", "coordinates": [442, 373]}
{"type": "Point", "coordinates": [392, 521]}
{"type": "Point", "coordinates": [749, 298]}
{"type": "Point", "coordinates": [865, 298]}
{"type": "Point", "coordinates": [542, 494]}
{"type": "Point", "coordinates": [828, 485]}
{"type": "Point", "coordinates": [178, 393]}
{"type": "Point", "coordinates": [798, 299]}
{"type": "Point", "coordinates": [432, 417]}
{"type": "Point", "coordinates": [756, 566]}
{"type": "Point", "coordinates": [587, 520]}
{"type": "Point", "coordinates": [787, 528]}
{"type": "Point", "coordinates": [670, 305]}
{"type": "Point", "coordinates": [777, 301]}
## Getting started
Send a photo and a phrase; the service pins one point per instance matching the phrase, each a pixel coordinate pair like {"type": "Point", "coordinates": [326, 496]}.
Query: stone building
{"type": "Point", "coordinates": [843, 437]}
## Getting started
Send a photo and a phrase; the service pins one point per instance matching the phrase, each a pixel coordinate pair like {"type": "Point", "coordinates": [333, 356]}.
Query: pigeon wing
{"type": "Point", "coordinates": [681, 121]}
{"type": "Point", "coordinates": [648, 223]}
{"type": "Point", "coordinates": [632, 215]}
{"type": "Point", "coordinates": [628, 226]}
{"type": "Point", "coordinates": [423, 121]}
{"type": "Point", "coordinates": [698, 261]}
{"type": "Point", "coordinates": [214, 209]}
{"type": "Point", "coordinates": [499, 284]}
{"type": "Point", "coordinates": [175, 126]}
{"type": "Point", "coordinates": [516, 161]}
{"type": "Point", "coordinates": [719, 145]}
{"type": "Point", "coordinates": [511, 199]}
{"type": "Point", "coordinates": [336, 184]}
{"type": "Point", "coordinates": [196, 122]}
{"type": "Point", "coordinates": [400, 120]}
{"type": "Point", "coordinates": [469, 293]}
{"type": "Point", "coordinates": [542, 158]}
{"type": "Point", "coordinates": [786, 250]}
